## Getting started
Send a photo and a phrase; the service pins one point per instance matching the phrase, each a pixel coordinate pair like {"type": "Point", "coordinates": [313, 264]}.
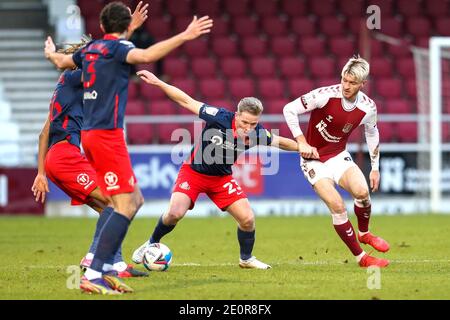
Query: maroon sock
{"type": "Point", "coordinates": [363, 215]}
{"type": "Point", "coordinates": [347, 234]}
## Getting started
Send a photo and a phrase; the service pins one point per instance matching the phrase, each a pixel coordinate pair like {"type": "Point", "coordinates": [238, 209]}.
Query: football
{"type": "Point", "coordinates": [157, 257]}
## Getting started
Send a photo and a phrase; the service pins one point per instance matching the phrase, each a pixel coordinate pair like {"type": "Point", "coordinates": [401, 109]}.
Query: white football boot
{"type": "Point", "coordinates": [253, 263]}
{"type": "Point", "coordinates": [138, 254]}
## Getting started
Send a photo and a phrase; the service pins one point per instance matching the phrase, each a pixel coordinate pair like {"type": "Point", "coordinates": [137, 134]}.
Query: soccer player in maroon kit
{"type": "Point", "coordinates": [106, 68]}
{"type": "Point", "coordinates": [335, 112]}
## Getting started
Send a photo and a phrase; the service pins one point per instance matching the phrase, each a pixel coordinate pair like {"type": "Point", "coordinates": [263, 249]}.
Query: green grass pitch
{"type": "Point", "coordinates": [309, 260]}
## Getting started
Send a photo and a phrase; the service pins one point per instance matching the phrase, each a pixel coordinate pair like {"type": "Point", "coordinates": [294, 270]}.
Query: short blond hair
{"type": "Point", "coordinates": [251, 105]}
{"type": "Point", "coordinates": [357, 67]}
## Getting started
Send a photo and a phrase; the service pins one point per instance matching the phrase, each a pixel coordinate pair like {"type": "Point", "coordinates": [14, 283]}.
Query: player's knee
{"type": "Point", "coordinates": [139, 202]}
{"type": "Point", "coordinates": [361, 194]}
{"type": "Point", "coordinates": [175, 214]}
{"type": "Point", "coordinates": [337, 206]}
{"type": "Point", "coordinates": [247, 223]}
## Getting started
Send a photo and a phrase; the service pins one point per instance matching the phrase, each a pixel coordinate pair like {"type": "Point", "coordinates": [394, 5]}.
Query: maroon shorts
{"type": "Point", "coordinates": [66, 167]}
{"type": "Point", "coordinates": [222, 190]}
{"type": "Point", "coordinates": [107, 152]}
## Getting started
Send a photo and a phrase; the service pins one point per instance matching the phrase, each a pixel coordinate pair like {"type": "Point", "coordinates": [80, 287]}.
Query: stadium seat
{"type": "Point", "coordinates": [254, 46]}
{"type": "Point", "coordinates": [292, 67]}
{"type": "Point", "coordinates": [392, 27]}
{"type": "Point", "coordinates": [386, 7]}
{"type": "Point", "coordinates": [323, 8]}
{"type": "Point", "coordinates": [406, 131]}
{"type": "Point", "coordinates": [443, 26]}
{"type": "Point", "coordinates": [265, 8]}
{"type": "Point", "coordinates": [418, 26]}
{"type": "Point", "coordinates": [270, 88]}
{"type": "Point", "coordinates": [406, 68]}
{"type": "Point", "coordinates": [181, 23]}
{"type": "Point", "coordinates": [135, 107]}
{"type": "Point", "coordinates": [140, 133]}
{"type": "Point", "coordinates": [175, 67]}
{"type": "Point", "coordinates": [322, 67]}
{"type": "Point", "coordinates": [165, 131]}
{"type": "Point", "coordinates": [397, 106]}
{"type": "Point", "coordinates": [386, 130]}
{"type": "Point", "coordinates": [159, 27]}
{"type": "Point", "coordinates": [212, 88]}
{"type": "Point", "coordinates": [242, 87]}
{"type": "Point", "coordinates": [90, 8]}
{"type": "Point", "coordinates": [263, 67]}
{"type": "Point", "coordinates": [303, 26]}
{"type": "Point", "coordinates": [186, 85]}
{"type": "Point", "coordinates": [381, 67]}
{"type": "Point", "coordinates": [298, 87]}
{"type": "Point", "coordinates": [409, 8]}
{"type": "Point", "coordinates": [274, 26]}
{"type": "Point", "coordinates": [342, 46]}
{"type": "Point", "coordinates": [436, 8]}
{"type": "Point", "coordinates": [233, 67]}
{"type": "Point", "coordinates": [149, 92]}
{"type": "Point", "coordinates": [245, 26]}
{"type": "Point", "coordinates": [274, 106]}
{"type": "Point", "coordinates": [326, 82]}
{"type": "Point", "coordinates": [332, 26]}
{"type": "Point", "coordinates": [376, 48]}
{"type": "Point", "coordinates": [222, 103]}
{"type": "Point", "coordinates": [411, 89]}
{"type": "Point", "coordinates": [198, 48]}
{"type": "Point", "coordinates": [236, 8]}
{"type": "Point", "coordinates": [163, 107]}
{"type": "Point", "coordinates": [133, 90]}
{"type": "Point", "coordinates": [204, 67]}
{"type": "Point", "coordinates": [294, 7]}
{"type": "Point", "coordinates": [208, 7]}
{"type": "Point", "coordinates": [224, 47]}
{"type": "Point", "coordinates": [221, 27]}
{"type": "Point", "coordinates": [312, 46]}
{"type": "Point", "coordinates": [352, 8]}
{"type": "Point", "coordinates": [93, 28]}
{"type": "Point", "coordinates": [283, 46]}
{"type": "Point", "coordinates": [178, 8]}
{"type": "Point", "coordinates": [389, 88]}
{"type": "Point", "coordinates": [399, 52]}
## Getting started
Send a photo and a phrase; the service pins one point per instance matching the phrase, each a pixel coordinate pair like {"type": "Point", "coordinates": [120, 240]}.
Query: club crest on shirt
{"type": "Point", "coordinates": [111, 180]}
{"type": "Point", "coordinates": [211, 111]}
{"type": "Point", "coordinates": [347, 128]}
{"type": "Point", "coordinates": [312, 173]}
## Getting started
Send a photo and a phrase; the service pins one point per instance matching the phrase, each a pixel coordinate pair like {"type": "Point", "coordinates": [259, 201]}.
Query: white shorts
{"type": "Point", "coordinates": [333, 168]}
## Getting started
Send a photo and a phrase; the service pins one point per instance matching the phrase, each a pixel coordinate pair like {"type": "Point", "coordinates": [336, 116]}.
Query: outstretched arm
{"type": "Point", "coordinates": [60, 60]}
{"type": "Point", "coordinates": [155, 52]}
{"type": "Point", "coordinates": [172, 92]}
{"type": "Point", "coordinates": [137, 18]}
{"type": "Point", "coordinates": [284, 143]}
{"type": "Point", "coordinates": [40, 185]}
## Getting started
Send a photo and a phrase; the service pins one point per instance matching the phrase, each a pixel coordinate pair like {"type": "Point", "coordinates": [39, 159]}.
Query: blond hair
{"type": "Point", "coordinates": [251, 105]}
{"type": "Point", "coordinates": [75, 46]}
{"type": "Point", "coordinates": [357, 67]}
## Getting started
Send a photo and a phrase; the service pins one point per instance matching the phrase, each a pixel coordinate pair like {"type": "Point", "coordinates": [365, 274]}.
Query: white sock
{"type": "Point", "coordinates": [120, 266]}
{"type": "Point", "coordinates": [91, 274]}
{"type": "Point", "coordinates": [90, 256]}
{"type": "Point", "coordinates": [107, 267]}
{"type": "Point", "coordinates": [339, 218]}
{"type": "Point", "coordinates": [359, 257]}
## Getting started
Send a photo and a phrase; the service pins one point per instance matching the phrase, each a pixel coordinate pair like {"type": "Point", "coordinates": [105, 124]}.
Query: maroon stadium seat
{"type": "Point", "coordinates": [233, 67]}
{"type": "Point", "coordinates": [175, 67]}
{"type": "Point", "coordinates": [178, 8]}
{"type": "Point", "coordinates": [221, 103]}
{"type": "Point", "coordinates": [135, 107]}
{"type": "Point", "coordinates": [292, 67]}
{"type": "Point", "coordinates": [323, 8]}
{"type": "Point", "coordinates": [263, 67]}
{"type": "Point", "coordinates": [91, 8]}
{"type": "Point", "coordinates": [399, 51]}
{"type": "Point", "coordinates": [303, 26]}
{"type": "Point", "coordinates": [386, 7]}
{"type": "Point", "coordinates": [254, 46]}
{"type": "Point", "coordinates": [93, 28]}
{"type": "Point", "coordinates": [274, 26]}
{"type": "Point", "coordinates": [165, 131]}
{"type": "Point", "coordinates": [326, 82]}
{"type": "Point", "coordinates": [332, 26]}
{"type": "Point", "coordinates": [376, 48]}
{"type": "Point", "coordinates": [392, 27]}
{"type": "Point", "coordinates": [389, 88]}
{"type": "Point", "coordinates": [204, 67]}
{"type": "Point", "coordinates": [352, 8]}
{"type": "Point", "coordinates": [381, 67]}
{"type": "Point", "coordinates": [312, 46]}
{"type": "Point", "coordinates": [298, 87]}
{"type": "Point", "coordinates": [342, 46]}
{"type": "Point", "coordinates": [411, 89]}
{"type": "Point", "coordinates": [294, 7]}
{"type": "Point", "coordinates": [140, 133]}
{"type": "Point", "coordinates": [443, 26]}
{"type": "Point", "coordinates": [283, 46]}
{"type": "Point", "coordinates": [208, 7]}
{"type": "Point", "coordinates": [197, 48]}
{"type": "Point", "coordinates": [236, 8]}
{"type": "Point", "coordinates": [418, 26]}
{"type": "Point", "coordinates": [265, 8]}
{"type": "Point", "coordinates": [159, 27]}
{"type": "Point", "coordinates": [186, 85]}
{"type": "Point", "coordinates": [224, 47]}
{"type": "Point", "coordinates": [436, 8]}
{"type": "Point", "coordinates": [242, 87]}
{"type": "Point", "coordinates": [181, 23]}
{"type": "Point", "coordinates": [386, 130]}
{"type": "Point", "coordinates": [133, 90]}
{"type": "Point", "coordinates": [212, 88]}
{"type": "Point", "coordinates": [270, 88]}
{"type": "Point", "coordinates": [322, 67]}
{"type": "Point", "coordinates": [397, 106]}
{"type": "Point", "coordinates": [274, 105]}
{"type": "Point", "coordinates": [406, 68]}
{"type": "Point", "coordinates": [245, 26]}
{"type": "Point", "coordinates": [409, 7]}
{"type": "Point", "coordinates": [163, 107]}
{"type": "Point", "coordinates": [149, 92]}
{"type": "Point", "coordinates": [221, 27]}
{"type": "Point", "coordinates": [406, 131]}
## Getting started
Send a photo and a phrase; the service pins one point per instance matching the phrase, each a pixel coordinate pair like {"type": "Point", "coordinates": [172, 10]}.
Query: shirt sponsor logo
{"type": "Point", "coordinates": [90, 95]}
{"type": "Point", "coordinates": [347, 128]}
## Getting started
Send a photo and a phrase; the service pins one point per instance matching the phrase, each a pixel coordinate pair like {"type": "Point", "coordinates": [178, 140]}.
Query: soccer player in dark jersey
{"type": "Point", "coordinates": [106, 67]}
{"type": "Point", "coordinates": [208, 170]}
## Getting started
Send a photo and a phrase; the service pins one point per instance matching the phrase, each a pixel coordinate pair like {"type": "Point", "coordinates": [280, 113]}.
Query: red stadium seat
{"type": "Point", "coordinates": [133, 90]}
{"type": "Point", "coordinates": [399, 51]}
{"type": "Point", "coordinates": [178, 8]}
{"type": "Point", "coordinates": [163, 107]}
{"type": "Point", "coordinates": [254, 46]}
{"type": "Point", "coordinates": [386, 7]}
{"type": "Point", "coordinates": [352, 8]}
{"type": "Point", "coordinates": [409, 7]}
{"type": "Point", "coordinates": [411, 89]}
{"type": "Point", "coordinates": [392, 27]}
{"type": "Point", "coordinates": [406, 131]}
{"type": "Point", "coordinates": [322, 67]}
{"type": "Point", "coordinates": [181, 23]}
{"type": "Point", "coordinates": [140, 133]}
{"type": "Point", "coordinates": [323, 8]}
{"type": "Point", "coordinates": [224, 47]}
{"type": "Point", "coordinates": [159, 27]}
{"type": "Point", "coordinates": [342, 46]}
{"type": "Point", "coordinates": [221, 26]}
{"type": "Point", "coordinates": [274, 105]}
{"type": "Point", "coordinates": [386, 131]}
{"type": "Point", "coordinates": [283, 46]}
{"type": "Point", "coordinates": [303, 26]}
{"type": "Point", "coordinates": [263, 67]}
{"type": "Point", "coordinates": [397, 106]}
{"type": "Point", "coordinates": [376, 48]}
{"type": "Point", "coordinates": [326, 82]}
{"type": "Point", "coordinates": [271, 88]}
{"type": "Point", "coordinates": [265, 8]}
{"type": "Point", "coordinates": [151, 92]}
{"type": "Point", "coordinates": [222, 103]}
{"type": "Point", "coordinates": [389, 88]}
{"type": "Point", "coordinates": [233, 67]}
{"type": "Point", "coordinates": [212, 88]}
{"type": "Point", "coordinates": [135, 107]}
{"type": "Point", "coordinates": [436, 8]}
{"type": "Point", "coordinates": [208, 7]}
{"type": "Point", "coordinates": [236, 8]}
{"type": "Point", "coordinates": [242, 87]}
{"type": "Point", "coordinates": [406, 68]}
{"type": "Point", "coordinates": [292, 67]}
{"type": "Point", "coordinates": [186, 85]}
{"type": "Point", "coordinates": [294, 7]}
{"type": "Point", "coordinates": [197, 48]}
{"type": "Point", "coordinates": [204, 67]}
{"type": "Point", "coordinates": [332, 26]}
{"type": "Point", "coordinates": [165, 131]}
{"type": "Point", "coordinates": [91, 8]}
{"type": "Point", "coordinates": [443, 26]}
{"type": "Point", "coordinates": [245, 26]}
{"type": "Point", "coordinates": [418, 26]}
{"type": "Point", "coordinates": [312, 46]}
{"type": "Point", "coordinates": [274, 26]}
{"type": "Point", "coordinates": [93, 28]}
{"type": "Point", "coordinates": [381, 67]}
{"type": "Point", "coordinates": [175, 67]}
{"type": "Point", "coordinates": [298, 87]}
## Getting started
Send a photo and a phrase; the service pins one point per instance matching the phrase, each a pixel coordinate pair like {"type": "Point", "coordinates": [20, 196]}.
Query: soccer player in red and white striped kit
{"type": "Point", "coordinates": [335, 112]}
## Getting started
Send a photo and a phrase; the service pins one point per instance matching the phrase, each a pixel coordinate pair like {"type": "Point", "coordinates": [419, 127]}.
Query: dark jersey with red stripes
{"type": "Point", "coordinates": [220, 146]}
{"type": "Point", "coordinates": [105, 79]}
{"type": "Point", "coordinates": [66, 109]}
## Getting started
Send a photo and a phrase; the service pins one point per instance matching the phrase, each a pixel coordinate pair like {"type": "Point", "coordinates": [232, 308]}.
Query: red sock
{"type": "Point", "coordinates": [347, 234]}
{"type": "Point", "coordinates": [363, 215]}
